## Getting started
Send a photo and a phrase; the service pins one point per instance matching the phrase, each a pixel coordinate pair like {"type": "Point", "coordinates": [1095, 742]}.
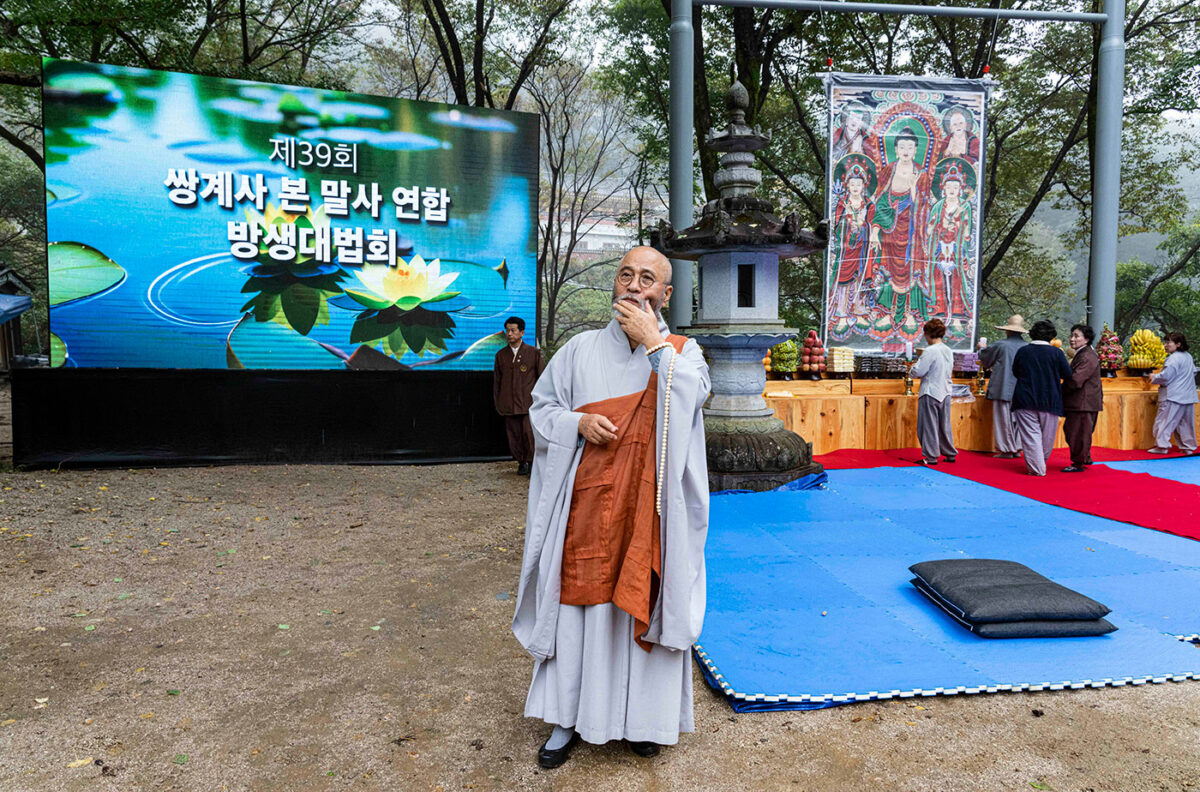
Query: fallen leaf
{"type": "Point", "coordinates": [41, 700]}
{"type": "Point", "coordinates": [9, 722]}
{"type": "Point", "coordinates": [180, 759]}
{"type": "Point", "coordinates": [172, 692]}
{"type": "Point", "coordinates": [375, 627]}
{"type": "Point", "coordinates": [80, 762]}
{"type": "Point", "coordinates": [89, 628]}
{"type": "Point", "coordinates": [147, 715]}
{"type": "Point", "coordinates": [1040, 785]}
{"type": "Point", "coordinates": [285, 626]}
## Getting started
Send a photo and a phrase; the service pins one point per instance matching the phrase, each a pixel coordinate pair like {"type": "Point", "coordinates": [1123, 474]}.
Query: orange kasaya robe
{"type": "Point", "coordinates": [612, 551]}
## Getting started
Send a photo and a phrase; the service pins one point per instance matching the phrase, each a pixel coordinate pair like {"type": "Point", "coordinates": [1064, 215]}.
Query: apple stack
{"type": "Point", "coordinates": [812, 359]}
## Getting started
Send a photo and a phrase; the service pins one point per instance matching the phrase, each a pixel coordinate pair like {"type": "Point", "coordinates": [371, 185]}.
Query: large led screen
{"type": "Point", "coordinates": [198, 222]}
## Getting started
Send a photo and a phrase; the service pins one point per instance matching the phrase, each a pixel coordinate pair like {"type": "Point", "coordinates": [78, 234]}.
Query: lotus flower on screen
{"type": "Point", "coordinates": [407, 286]}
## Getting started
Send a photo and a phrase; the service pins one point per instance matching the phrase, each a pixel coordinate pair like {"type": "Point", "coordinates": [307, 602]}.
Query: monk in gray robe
{"type": "Point", "coordinates": [612, 586]}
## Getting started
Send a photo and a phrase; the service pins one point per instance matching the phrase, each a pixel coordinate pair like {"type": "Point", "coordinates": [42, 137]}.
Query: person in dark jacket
{"type": "Point", "coordinates": [1037, 400]}
{"type": "Point", "coordinates": [514, 372]}
{"type": "Point", "coordinates": [1083, 398]}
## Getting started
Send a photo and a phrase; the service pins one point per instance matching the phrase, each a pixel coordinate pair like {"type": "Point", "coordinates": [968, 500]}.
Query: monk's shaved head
{"type": "Point", "coordinates": [644, 255]}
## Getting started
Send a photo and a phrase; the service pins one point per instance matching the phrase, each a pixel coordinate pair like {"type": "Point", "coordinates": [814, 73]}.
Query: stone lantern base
{"type": "Point", "coordinates": [747, 446]}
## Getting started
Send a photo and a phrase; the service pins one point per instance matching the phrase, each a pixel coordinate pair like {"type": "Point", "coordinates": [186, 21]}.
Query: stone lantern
{"type": "Point", "coordinates": [737, 244]}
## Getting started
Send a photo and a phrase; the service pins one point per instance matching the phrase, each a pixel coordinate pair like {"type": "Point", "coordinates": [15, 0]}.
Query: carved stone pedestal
{"type": "Point", "coordinates": [748, 447]}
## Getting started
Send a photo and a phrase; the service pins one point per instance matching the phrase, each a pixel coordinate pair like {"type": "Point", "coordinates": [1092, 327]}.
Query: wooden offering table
{"type": "Point", "coordinates": [875, 414]}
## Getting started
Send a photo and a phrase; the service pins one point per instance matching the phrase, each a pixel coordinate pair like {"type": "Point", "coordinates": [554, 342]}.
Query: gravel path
{"type": "Point", "coordinates": [324, 628]}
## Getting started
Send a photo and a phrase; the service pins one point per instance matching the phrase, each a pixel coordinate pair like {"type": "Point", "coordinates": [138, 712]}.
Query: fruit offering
{"type": "Point", "coordinates": [1056, 342]}
{"type": "Point", "coordinates": [1109, 350]}
{"type": "Point", "coordinates": [841, 360]}
{"type": "Point", "coordinates": [783, 357]}
{"type": "Point", "coordinates": [812, 358]}
{"type": "Point", "coordinates": [1146, 350]}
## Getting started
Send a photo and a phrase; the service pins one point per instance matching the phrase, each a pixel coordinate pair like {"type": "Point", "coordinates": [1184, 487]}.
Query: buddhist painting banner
{"type": "Point", "coordinates": [903, 198]}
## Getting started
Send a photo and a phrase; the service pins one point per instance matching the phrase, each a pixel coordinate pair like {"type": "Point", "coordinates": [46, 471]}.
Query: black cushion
{"type": "Point", "coordinates": [985, 591]}
{"type": "Point", "coordinates": [1030, 628]}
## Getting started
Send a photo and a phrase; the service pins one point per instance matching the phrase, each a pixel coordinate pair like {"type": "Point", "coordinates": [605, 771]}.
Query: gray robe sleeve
{"type": "Point", "coordinates": [678, 614]}
{"type": "Point", "coordinates": [557, 450]}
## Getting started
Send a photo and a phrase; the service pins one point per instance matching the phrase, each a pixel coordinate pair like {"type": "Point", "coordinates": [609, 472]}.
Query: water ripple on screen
{"type": "Point", "coordinates": [203, 276]}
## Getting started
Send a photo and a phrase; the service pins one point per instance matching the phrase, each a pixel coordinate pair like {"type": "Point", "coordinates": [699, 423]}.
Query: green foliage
{"type": "Point", "coordinates": [1041, 120]}
{"type": "Point", "coordinates": [22, 239]}
{"type": "Point", "coordinates": [1164, 295]}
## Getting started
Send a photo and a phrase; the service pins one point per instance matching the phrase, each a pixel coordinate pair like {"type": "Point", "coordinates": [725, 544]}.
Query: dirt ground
{"type": "Point", "coordinates": [305, 627]}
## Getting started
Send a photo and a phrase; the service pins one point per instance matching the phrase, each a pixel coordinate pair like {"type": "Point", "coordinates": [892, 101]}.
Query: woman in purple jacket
{"type": "Point", "coordinates": [1037, 401]}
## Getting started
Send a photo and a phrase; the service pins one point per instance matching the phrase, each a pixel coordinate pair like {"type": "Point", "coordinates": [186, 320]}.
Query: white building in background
{"type": "Point", "coordinates": [607, 236]}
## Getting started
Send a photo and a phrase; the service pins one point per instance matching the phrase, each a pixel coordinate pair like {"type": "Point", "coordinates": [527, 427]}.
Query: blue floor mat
{"type": "Point", "coordinates": [809, 603]}
{"type": "Point", "coordinates": [1182, 469]}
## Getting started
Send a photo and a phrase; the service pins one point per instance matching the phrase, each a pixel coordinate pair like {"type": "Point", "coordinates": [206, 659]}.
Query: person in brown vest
{"type": "Point", "coordinates": [612, 588]}
{"type": "Point", "coordinates": [1083, 398]}
{"type": "Point", "coordinates": [517, 367]}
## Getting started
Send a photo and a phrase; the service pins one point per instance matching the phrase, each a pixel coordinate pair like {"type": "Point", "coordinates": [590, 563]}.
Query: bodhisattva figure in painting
{"type": "Point", "coordinates": [897, 240]}
{"type": "Point", "coordinates": [851, 229]}
{"type": "Point", "coordinates": [960, 140]}
{"type": "Point", "coordinates": [948, 245]}
{"type": "Point", "coordinates": [850, 136]}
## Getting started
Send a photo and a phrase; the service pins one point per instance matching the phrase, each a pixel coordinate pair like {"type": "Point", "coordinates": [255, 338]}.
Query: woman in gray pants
{"type": "Point", "coordinates": [933, 408]}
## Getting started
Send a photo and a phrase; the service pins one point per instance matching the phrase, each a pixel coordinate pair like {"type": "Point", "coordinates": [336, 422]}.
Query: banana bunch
{"type": "Point", "coordinates": [1146, 350]}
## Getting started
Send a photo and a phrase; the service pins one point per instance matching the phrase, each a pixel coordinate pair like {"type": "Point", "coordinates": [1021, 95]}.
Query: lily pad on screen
{"type": "Point", "coordinates": [266, 345]}
{"type": "Point", "coordinates": [58, 351]}
{"type": "Point", "coordinates": [78, 270]}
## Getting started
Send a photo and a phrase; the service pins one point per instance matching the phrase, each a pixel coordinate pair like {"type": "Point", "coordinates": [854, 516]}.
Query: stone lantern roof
{"type": "Point", "coordinates": [737, 220]}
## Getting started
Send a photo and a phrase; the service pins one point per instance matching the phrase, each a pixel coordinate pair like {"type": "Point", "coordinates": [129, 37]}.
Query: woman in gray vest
{"type": "Point", "coordinates": [1176, 398]}
{"type": "Point", "coordinates": [933, 408]}
{"type": "Point", "coordinates": [997, 358]}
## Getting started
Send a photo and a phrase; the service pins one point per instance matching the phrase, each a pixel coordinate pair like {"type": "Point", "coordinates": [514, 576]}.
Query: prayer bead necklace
{"type": "Point", "coordinates": [662, 462]}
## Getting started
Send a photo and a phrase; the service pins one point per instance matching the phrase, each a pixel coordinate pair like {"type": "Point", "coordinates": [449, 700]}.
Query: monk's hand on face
{"type": "Point", "coordinates": [640, 324]}
{"type": "Point", "coordinates": [597, 429]}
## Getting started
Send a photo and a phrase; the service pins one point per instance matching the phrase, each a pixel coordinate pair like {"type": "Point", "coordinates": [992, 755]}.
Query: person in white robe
{"type": "Point", "coordinates": [591, 678]}
{"type": "Point", "coordinates": [1176, 398]}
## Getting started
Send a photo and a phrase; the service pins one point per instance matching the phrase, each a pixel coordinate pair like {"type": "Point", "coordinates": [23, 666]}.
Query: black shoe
{"type": "Point", "coordinates": [551, 759]}
{"type": "Point", "coordinates": [1089, 462]}
{"type": "Point", "coordinates": [927, 462]}
{"type": "Point", "coordinates": [522, 468]}
{"type": "Point", "coordinates": [644, 749]}
{"type": "Point", "coordinates": [1074, 469]}
{"type": "Point", "coordinates": [949, 459]}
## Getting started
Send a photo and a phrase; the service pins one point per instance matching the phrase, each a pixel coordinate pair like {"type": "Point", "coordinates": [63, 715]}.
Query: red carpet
{"type": "Point", "coordinates": [859, 458]}
{"type": "Point", "coordinates": [1136, 498]}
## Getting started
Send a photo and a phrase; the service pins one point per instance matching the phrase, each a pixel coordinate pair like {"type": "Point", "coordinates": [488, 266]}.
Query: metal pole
{"type": "Point", "coordinates": [915, 10]}
{"type": "Point", "coordinates": [1106, 192]}
{"type": "Point", "coordinates": [680, 176]}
